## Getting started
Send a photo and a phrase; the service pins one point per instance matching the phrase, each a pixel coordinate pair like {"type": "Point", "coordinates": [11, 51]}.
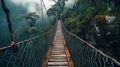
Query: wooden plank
{"type": "Point", "coordinates": [62, 55]}
{"type": "Point", "coordinates": [58, 60]}
{"type": "Point", "coordinates": [57, 53]}
{"type": "Point", "coordinates": [57, 63]}
{"type": "Point", "coordinates": [57, 66]}
{"type": "Point", "coordinates": [59, 56]}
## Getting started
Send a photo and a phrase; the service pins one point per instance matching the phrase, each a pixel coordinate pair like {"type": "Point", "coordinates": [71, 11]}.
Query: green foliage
{"type": "Point", "coordinates": [32, 29]}
{"type": "Point", "coordinates": [103, 8]}
{"type": "Point", "coordinates": [31, 18]}
{"type": "Point", "coordinates": [81, 21]}
{"type": "Point", "coordinates": [58, 7]}
{"type": "Point", "coordinates": [72, 24]}
{"type": "Point", "coordinates": [89, 14]}
{"type": "Point", "coordinates": [52, 11]}
{"type": "Point", "coordinates": [23, 33]}
{"type": "Point", "coordinates": [29, 15]}
{"type": "Point", "coordinates": [79, 17]}
{"type": "Point", "coordinates": [116, 12]}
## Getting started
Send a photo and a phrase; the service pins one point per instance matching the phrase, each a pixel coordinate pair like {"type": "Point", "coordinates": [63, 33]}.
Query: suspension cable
{"type": "Point", "coordinates": [5, 9]}
{"type": "Point", "coordinates": [46, 16]}
{"type": "Point", "coordinates": [42, 18]}
{"type": "Point", "coordinates": [89, 45]}
{"type": "Point", "coordinates": [44, 5]}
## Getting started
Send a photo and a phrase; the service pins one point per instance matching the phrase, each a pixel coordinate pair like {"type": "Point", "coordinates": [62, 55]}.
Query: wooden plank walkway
{"type": "Point", "coordinates": [58, 55]}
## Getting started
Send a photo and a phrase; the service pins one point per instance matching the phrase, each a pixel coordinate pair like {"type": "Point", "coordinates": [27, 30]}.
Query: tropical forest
{"type": "Point", "coordinates": [59, 33]}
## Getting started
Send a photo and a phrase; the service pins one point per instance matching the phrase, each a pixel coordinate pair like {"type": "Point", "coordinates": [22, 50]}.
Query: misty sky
{"type": "Point", "coordinates": [30, 4]}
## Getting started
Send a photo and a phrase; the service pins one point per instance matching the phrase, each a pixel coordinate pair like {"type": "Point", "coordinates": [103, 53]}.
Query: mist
{"type": "Point", "coordinates": [18, 8]}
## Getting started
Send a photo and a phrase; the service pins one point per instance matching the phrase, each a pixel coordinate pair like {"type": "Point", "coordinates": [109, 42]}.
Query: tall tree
{"type": "Point", "coordinates": [31, 18]}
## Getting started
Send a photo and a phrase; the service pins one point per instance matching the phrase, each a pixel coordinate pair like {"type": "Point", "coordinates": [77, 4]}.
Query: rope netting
{"type": "Point", "coordinates": [84, 54]}
{"type": "Point", "coordinates": [27, 53]}
{"type": "Point", "coordinates": [32, 52]}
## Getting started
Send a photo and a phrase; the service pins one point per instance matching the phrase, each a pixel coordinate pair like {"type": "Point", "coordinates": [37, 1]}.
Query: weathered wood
{"type": "Point", "coordinates": [58, 63]}
{"type": "Point", "coordinates": [57, 66]}
{"type": "Point", "coordinates": [58, 54]}
{"type": "Point", "coordinates": [58, 60]}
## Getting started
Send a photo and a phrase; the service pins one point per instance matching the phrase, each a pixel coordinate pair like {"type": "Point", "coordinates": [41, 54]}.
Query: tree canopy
{"type": "Point", "coordinates": [31, 18]}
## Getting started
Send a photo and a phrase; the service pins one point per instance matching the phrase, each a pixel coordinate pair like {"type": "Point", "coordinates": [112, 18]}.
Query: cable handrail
{"type": "Point", "coordinates": [11, 45]}
{"type": "Point", "coordinates": [26, 40]}
{"type": "Point", "coordinates": [88, 44]}
{"type": "Point", "coordinates": [25, 53]}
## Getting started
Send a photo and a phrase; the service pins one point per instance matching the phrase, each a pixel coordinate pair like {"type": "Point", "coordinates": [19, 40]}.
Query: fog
{"type": "Point", "coordinates": [17, 8]}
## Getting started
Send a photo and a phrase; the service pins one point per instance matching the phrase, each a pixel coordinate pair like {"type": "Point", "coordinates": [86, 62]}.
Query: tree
{"type": "Point", "coordinates": [59, 6]}
{"type": "Point", "coordinates": [31, 18]}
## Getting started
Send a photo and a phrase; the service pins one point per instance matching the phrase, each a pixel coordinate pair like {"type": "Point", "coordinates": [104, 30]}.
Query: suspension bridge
{"type": "Point", "coordinates": [56, 48]}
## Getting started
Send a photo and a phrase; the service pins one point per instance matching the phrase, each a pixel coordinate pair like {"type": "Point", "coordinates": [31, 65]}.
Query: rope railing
{"type": "Point", "coordinates": [84, 54]}
{"type": "Point", "coordinates": [28, 53]}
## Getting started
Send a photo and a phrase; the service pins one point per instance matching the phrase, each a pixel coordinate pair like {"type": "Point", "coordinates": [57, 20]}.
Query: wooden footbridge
{"type": "Point", "coordinates": [55, 48]}
{"type": "Point", "coordinates": [58, 55]}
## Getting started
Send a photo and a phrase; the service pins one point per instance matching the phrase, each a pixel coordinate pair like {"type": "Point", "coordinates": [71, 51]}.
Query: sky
{"type": "Point", "coordinates": [31, 4]}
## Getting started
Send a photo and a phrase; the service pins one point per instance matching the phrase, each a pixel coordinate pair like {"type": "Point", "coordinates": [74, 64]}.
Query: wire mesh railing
{"type": "Point", "coordinates": [84, 54]}
{"type": "Point", "coordinates": [27, 53]}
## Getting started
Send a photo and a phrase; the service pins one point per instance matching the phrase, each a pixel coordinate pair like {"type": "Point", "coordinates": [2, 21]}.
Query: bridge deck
{"type": "Point", "coordinates": [58, 55]}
